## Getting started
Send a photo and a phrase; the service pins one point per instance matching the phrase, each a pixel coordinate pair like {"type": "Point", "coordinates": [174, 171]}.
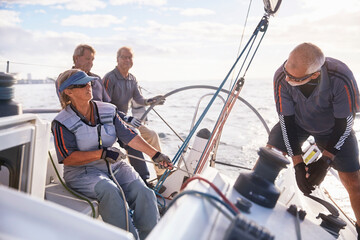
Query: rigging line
{"type": "Point", "coordinates": [230, 101]}
{"type": "Point", "coordinates": [262, 27]}
{"type": "Point", "coordinates": [145, 89]}
{"type": "Point", "coordinates": [208, 106]}
{"type": "Point", "coordinates": [177, 155]}
{"type": "Point", "coordinates": [167, 172]}
{"type": "Point", "coordinates": [247, 55]}
{"type": "Point", "coordinates": [262, 37]}
{"type": "Point", "coordinates": [218, 128]}
{"type": "Point", "coordinates": [33, 64]}
{"type": "Point", "coordinates": [168, 125]}
{"type": "Point", "coordinates": [246, 19]}
{"type": "Point", "coordinates": [242, 37]}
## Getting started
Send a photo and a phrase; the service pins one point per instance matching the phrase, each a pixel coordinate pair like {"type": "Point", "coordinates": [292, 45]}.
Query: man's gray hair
{"type": "Point", "coordinates": [118, 54]}
{"type": "Point", "coordinates": [79, 50]}
{"type": "Point", "coordinates": [309, 55]}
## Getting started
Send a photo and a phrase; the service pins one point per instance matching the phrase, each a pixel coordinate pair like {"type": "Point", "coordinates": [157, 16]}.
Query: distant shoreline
{"type": "Point", "coordinates": [26, 81]}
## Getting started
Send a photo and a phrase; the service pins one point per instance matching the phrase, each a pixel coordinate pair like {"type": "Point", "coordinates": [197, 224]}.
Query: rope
{"type": "Point", "coordinates": [232, 165]}
{"type": "Point", "coordinates": [166, 173]}
{"type": "Point", "coordinates": [225, 199]}
{"type": "Point", "coordinates": [69, 189]}
{"type": "Point", "coordinates": [148, 161]}
{"type": "Point", "coordinates": [262, 26]}
{"type": "Point", "coordinates": [326, 204]}
{"type": "Point", "coordinates": [347, 217]}
{"type": "Point", "coordinates": [187, 140]}
{"type": "Point", "coordinates": [245, 23]}
{"type": "Point", "coordinates": [242, 35]}
{"type": "Point", "coordinates": [176, 157]}
{"type": "Point", "coordinates": [122, 194]}
{"type": "Point", "coordinates": [217, 130]}
{"type": "Point", "coordinates": [206, 195]}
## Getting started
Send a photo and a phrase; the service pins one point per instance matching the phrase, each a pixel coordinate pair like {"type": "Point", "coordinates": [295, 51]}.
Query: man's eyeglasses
{"type": "Point", "coordinates": [126, 57]}
{"type": "Point", "coordinates": [295, 79]}
{"type": "Point", "coordinates": [81, 85]}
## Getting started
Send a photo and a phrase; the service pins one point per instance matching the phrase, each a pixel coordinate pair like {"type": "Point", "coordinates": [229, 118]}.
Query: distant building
{"type": "Point", "coordinates": [36, 81]}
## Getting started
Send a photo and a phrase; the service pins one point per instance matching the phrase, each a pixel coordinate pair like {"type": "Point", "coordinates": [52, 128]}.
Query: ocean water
{"type": "Point", "coordinates": [241, 138]}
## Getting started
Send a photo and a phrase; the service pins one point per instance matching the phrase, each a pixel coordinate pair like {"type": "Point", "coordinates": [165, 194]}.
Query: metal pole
{"type": "Point", "coordinates": [7, 66]}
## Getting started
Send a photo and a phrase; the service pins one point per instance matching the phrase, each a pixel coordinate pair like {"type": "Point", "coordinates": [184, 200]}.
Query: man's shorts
{"type": "Point", "coordinates": [346, 160]}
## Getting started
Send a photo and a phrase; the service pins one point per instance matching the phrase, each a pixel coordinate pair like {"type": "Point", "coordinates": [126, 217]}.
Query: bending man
{"type": "Point", "coordinates": [318, 96]}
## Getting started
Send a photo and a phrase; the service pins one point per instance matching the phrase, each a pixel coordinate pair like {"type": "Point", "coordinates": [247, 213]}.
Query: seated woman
{"type": "Point", "coordinates": [84, 132]}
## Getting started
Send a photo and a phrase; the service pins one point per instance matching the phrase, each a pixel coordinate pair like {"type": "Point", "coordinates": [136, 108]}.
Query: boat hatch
{"type": "Point", "coordinates": [24, 138]}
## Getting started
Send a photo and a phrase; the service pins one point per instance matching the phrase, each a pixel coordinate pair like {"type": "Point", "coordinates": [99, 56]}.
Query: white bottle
{"type": "Point", "coordinates": [311, 154]}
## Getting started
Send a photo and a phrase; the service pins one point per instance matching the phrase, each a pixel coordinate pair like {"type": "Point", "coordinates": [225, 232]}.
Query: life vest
{"type": "Point", "coordinates": [88, 137]}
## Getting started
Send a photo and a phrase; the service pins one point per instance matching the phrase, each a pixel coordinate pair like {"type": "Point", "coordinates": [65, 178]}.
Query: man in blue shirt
{"type": "Point", "coordinates": [318, 96]}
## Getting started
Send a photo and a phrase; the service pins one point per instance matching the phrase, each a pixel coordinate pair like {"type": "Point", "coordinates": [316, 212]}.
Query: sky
{"type": "Point", "coordinates": [173, 40]}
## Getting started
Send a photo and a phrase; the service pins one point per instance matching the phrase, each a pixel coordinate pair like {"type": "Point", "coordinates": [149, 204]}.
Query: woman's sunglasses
{"type": "Point", "coordinates": [81, 85]}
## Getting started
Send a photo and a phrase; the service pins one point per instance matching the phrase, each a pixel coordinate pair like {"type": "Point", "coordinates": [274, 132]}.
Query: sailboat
{"type": "Point", "coordinates": [199, 201]}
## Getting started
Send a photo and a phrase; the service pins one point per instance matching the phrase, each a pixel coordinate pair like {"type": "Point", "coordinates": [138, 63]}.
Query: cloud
{"type": "Point", "coordinates": [36, 43]}
{"type": "Point", "coordinates": [9, 18]}
{"type": "Point", "coordinates": [139, 2]}
{"type": "Point", "coordinates": [194, 31]}
{"type": "Point", "coordinates": [35, 2]}
{"type": "Point", "coordinates": [331, 6]}
{"type": "Point", "coordinates": [85, 5]}
{"type": "Point", "coordinates": [41, 11]}
{"type": "Point", "coordinates": [92, 20]}
{"type": "Point", "coordinates": [196, 12]}
{"type": "Point", "coordinates": [75, 5]}
{"type": "Point", "coordinates": [341, 28]}
{"type": "Point", "coordinates": [43, 53]}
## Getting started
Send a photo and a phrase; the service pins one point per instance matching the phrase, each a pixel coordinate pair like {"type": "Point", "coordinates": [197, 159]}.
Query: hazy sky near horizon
{"type": "Point", "coordinates": [172, 39]}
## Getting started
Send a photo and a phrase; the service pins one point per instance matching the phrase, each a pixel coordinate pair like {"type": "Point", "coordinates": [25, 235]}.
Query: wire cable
{"type": "Point", "coordinates": [33, 64]}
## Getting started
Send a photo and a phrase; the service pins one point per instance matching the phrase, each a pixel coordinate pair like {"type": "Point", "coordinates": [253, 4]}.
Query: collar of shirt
{"type": "Point", "coordinates": [83, 118]}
